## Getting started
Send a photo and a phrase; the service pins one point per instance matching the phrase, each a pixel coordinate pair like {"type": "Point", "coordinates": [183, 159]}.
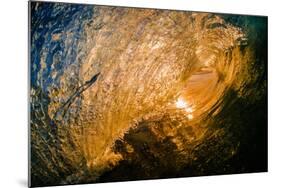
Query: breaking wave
{"type": "Point", "coordinates": [124, 93]}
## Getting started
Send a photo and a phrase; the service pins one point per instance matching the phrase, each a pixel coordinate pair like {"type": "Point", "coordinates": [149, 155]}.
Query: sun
{"type": "Point", "coordinates": [181, 103]}
{"type": "Point", "coordinates": [184, 105]}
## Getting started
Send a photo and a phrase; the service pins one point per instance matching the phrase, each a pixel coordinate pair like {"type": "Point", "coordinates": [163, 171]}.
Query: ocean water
{"type": "Point", "coordinates": [120, 94]}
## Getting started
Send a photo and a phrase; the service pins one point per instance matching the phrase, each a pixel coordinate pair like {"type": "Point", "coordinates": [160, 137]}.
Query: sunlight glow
{"type": "Point", "coordinates": [182, 104]}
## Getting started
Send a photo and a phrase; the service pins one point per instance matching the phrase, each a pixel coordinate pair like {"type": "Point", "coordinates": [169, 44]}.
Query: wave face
{"type": "Point", "coordinates": [125, 94]}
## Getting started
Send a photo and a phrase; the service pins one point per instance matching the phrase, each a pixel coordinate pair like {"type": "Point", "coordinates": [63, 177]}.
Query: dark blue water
{"type": "Point", "coordinates": [48, 20]}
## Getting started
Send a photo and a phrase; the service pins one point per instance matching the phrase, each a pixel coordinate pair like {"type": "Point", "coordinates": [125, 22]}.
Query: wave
{"type": "Point", "coordinates": [124, 93]}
